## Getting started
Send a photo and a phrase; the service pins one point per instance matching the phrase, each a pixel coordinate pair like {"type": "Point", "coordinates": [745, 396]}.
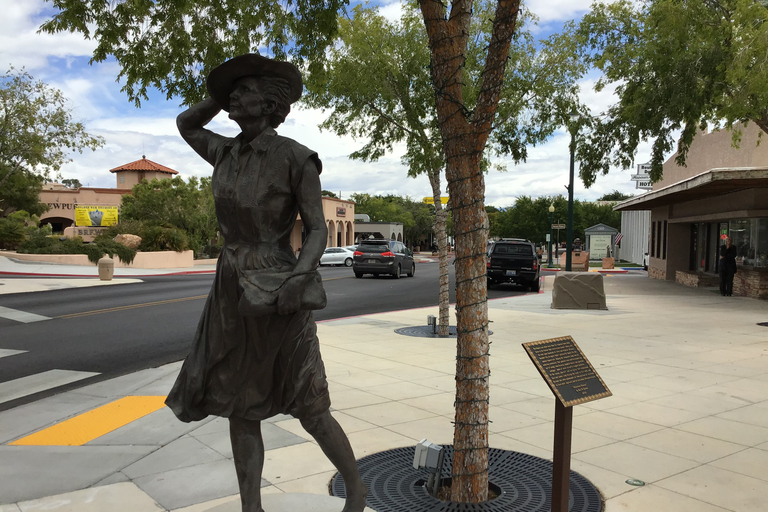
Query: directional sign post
{"type": "Point", "coordinates": [431, 200]}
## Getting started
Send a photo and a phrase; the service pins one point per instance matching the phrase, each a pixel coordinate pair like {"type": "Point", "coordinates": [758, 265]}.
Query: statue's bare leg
{"type": "Point", "coordinates": [248, 451]}
{"type": "Point", "coordinates": [334, 443]}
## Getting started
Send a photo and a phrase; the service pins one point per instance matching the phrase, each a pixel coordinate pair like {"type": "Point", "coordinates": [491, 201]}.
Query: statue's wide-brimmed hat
{"type": "Point", "coordinates": [222, 78]}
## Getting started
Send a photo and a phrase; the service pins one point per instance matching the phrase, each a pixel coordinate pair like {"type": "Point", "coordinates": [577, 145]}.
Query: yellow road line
{"type": "Point", "coordinates": [95, 423]}
{"type": "Point", "coordinates": [131, 306]}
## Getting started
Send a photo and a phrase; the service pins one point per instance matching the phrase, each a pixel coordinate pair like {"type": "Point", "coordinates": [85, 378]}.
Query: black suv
{"type": "Point", "coordinates": [383, 257]}
{"type": "Point", "coordinates": [513, 261]}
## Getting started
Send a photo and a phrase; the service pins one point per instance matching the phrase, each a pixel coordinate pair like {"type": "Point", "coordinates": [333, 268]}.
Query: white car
{"type": "Point", "coordinates": [337, 256]}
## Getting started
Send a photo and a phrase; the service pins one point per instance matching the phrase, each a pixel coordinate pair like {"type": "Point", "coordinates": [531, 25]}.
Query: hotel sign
{"type": "Point", "coordinates": [643, 177]}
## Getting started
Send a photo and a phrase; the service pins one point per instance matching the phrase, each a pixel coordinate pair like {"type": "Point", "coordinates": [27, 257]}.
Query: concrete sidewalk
{"type": "Point", "coordinates": [689, 413]}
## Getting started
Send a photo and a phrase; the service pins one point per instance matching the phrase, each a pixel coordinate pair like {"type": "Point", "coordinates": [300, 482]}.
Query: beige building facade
{"type": "Point", "coordinates": [63, 202]}
{"type": "Point", "coordinates": [723, 191]}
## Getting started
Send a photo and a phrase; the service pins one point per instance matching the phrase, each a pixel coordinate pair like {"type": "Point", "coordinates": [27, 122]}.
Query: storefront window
{"type": "Point", "coordinates": [750, 237]}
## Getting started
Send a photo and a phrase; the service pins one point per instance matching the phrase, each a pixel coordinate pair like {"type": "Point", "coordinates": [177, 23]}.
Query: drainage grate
{"type": "Point", "coordinates": [425, 331]}
{"type": "Point", "coordinates": [524, 483]}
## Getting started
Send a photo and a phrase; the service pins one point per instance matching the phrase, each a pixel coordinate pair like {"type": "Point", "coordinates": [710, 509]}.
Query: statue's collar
{"type": "Point", "coordinates": [259, 144]}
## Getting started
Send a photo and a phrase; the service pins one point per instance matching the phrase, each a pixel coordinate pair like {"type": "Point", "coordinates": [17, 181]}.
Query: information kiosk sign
{"type": "Point", "coordinates": [573, 381]}
{"type": "Point", "coordinates": [569, 374]}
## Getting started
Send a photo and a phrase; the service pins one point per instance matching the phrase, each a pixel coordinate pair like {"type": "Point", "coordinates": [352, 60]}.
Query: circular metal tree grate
{"type": "Point", "coordinates": [425, 331]}
{"type": "Point", "coordinates": [524, 484]}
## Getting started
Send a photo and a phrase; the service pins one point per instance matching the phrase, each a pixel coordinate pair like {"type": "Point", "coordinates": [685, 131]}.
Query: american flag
{"type": "Point", "coordinates": [619, 236]}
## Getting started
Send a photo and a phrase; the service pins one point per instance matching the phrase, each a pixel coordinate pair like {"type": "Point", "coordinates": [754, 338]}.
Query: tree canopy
{"type": "Point", "coordinates": [678, 67]}
{"type": "Point", "coordinates": [186, 205]}
{"type": "Point", "coordinates": [377, 85]}
{"type": "Point", "coordinates": [37, 136]}
{"type": "Point", "coordinates": [529, 218]}
{"type": "Point", "coordinates": [614, 196]}
{"type": "Point", "coordinates": [172, 45]}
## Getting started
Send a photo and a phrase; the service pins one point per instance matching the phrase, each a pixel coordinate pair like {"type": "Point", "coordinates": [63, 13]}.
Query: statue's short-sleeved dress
{"type": "Point", "coordinates": [253, 367]}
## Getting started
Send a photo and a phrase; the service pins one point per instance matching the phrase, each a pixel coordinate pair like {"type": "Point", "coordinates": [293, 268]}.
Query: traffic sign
{"type": "Point", "coordinates": [431, 200]}
{"type": "Point", "coordinates": [558, 226]}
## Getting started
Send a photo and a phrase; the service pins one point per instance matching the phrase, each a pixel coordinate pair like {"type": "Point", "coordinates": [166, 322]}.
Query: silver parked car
{"type": "Point", "coordinates": [337, 256]}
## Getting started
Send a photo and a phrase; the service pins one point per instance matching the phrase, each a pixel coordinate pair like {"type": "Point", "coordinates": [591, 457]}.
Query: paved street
{"type": "Point", "coordinates": [67, 337]}
{"type": "Point", "coordinates": [688, 416]}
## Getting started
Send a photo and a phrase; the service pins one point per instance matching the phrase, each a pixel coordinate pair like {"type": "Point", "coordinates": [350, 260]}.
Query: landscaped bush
{"type": "Point", "coordinates": [40, 242]}
{"type": "Point", "coordinates": [11, 234]}
{"type": "Point", "coordinates": [159, 238]}
{"type": "Point", "coordinates": [15, 228]}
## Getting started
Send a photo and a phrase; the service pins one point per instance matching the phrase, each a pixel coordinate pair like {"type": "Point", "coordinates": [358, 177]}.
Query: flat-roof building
{"type": "Point", "coordinates": [722, 191]}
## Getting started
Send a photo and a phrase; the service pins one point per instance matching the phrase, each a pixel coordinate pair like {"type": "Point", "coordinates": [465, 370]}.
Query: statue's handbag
{"type": "Point", "coordinates": [261, 289]}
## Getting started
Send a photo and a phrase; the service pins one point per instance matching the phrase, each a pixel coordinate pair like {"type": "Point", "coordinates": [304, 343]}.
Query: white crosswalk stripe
{"type": "Point", "coordinates": [21, 316]}
{"type": "Point", "coordinates": [24, 386]}
{"type": "Point", "coordinates": [5, 352]}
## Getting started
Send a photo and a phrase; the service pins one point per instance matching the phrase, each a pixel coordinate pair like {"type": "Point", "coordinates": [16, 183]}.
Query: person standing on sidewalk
{"type": "Point", "coordinates": [727, 267]}
{"type": "Point", "coordinates": [256, 353]}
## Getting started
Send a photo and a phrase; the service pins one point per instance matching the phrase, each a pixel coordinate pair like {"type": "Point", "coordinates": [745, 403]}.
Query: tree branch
{"type": "Point", "coordinates": [495, 65]}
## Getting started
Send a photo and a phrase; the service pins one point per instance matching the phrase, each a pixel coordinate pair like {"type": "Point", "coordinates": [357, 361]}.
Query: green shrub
{"type": "Point", "coordinates": [41, 243]}
{"type": "Point", "coordinates": [159, 238]}
{"type": "Point", "coordinates": [12, 233]}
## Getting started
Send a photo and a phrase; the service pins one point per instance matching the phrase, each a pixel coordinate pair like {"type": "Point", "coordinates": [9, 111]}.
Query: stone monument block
{"type": "Point", "coordinates": [578, 291]}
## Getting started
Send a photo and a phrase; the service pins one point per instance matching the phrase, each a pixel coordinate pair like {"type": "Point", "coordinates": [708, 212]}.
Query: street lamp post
{"type": "Point", "coordinates": [573, 127]}
{"type": "Point", "coordinates": [551, 213]}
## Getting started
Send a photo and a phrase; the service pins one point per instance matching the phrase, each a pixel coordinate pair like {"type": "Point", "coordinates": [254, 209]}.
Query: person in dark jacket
{"type": "Point", "coordinates": [727, 267]}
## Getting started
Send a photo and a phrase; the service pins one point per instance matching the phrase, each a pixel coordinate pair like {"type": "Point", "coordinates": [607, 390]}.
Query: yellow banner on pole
{"type": "Point", "coordinates": [431, 200]}
{"type": "Point", "coordinates": [91, 216]}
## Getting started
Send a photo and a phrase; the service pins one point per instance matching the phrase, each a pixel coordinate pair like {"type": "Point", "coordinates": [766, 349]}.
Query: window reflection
{"type": "Point", "coordinates": [750, 237]}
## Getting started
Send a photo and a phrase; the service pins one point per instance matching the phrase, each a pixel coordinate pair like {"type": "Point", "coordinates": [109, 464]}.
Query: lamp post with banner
{"type": "Point", "coordinates": [551, 217]}
{"type": "Point", "coordinates": [573, 127]}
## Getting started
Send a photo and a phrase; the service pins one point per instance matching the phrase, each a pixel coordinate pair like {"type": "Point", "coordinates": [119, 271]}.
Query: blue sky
{"type": "Point", "coordinates": [95, 99]}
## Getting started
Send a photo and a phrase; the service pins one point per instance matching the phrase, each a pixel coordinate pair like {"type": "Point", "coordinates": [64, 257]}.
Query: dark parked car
{"type": "Point", "coordinates": [383, 257]}
{"type": "Point", "coordinates": [513, 261]}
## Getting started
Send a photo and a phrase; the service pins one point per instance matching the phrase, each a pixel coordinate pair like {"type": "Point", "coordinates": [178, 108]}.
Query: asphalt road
{"type": "Point", "coordinates": [115, 330]}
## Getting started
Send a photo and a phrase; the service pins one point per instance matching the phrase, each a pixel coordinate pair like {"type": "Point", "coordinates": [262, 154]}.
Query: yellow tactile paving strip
{"type": "Point", "coordinates": [95, 423]}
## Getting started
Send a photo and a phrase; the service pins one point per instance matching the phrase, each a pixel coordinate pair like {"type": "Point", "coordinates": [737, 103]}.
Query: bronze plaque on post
{"type": "Point", "coordinates": [569, 374]}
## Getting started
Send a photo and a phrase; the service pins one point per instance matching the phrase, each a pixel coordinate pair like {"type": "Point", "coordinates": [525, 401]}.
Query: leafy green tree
{"type": "Point", "coordinates": [529, 218]}
{"type": "Point", "coordinates": [380, 209]}
{"type": "Point", "coordinates": [21, 191]}
{"type": "Point", "coordinates": [493, 221]}
{"type": "Point", "coordinates": [172, 45]}
{"type": "Point", "coordinates": [677, 66]}
{"type": "Point", "coordinates": [614, 196]}
{"type": "Point", "coordinates": [378, 87]}
{"type": "Point", "coordinates": [71, 183]}
{"type": "Point", "coordinates": [327, 193]}
{"type": "Point", "coordinates": [37, 132]}
{"type": "Point", "coordinates": [592, 213]}
{"type": "Point", "coordinates": [16, 227]}
{"type": "Point", "coordinates": [176, 203]}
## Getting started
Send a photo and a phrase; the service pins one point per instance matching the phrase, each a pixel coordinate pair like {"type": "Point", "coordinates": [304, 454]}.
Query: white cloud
{"type": "Point", "coordinates": [96, 99]}
{"type": "Point", "coordinates": [557, 10]}
{"type": "Point", "coordinates": [392, 11]}
{"type": "Point", "coordinates": [22, 46]}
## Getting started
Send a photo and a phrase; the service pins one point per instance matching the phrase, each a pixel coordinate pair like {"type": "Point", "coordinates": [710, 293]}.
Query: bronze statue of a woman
{"type": "Point", "coordinates": [256, 353]}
